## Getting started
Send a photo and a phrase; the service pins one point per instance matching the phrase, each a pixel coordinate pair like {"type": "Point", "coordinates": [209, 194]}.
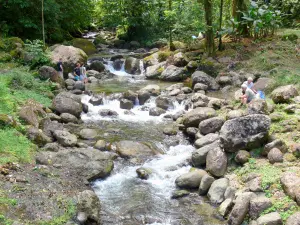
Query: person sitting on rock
{"type": "Point", "coordinates": [77, 71]}
{"type": "Point", "coordinates": [250, 84]}
{"type": "Point", "coordinates": [83, 76]}
{"type": "Point", "coordinates": [248, 94]}
{"type": "Point", "coordinates": [60, 68]}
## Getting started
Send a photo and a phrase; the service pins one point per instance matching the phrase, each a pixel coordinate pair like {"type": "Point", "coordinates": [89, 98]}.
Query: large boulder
{"type": "Point", "coordinates": [273, 218]}
{"type": "Point", "coordinates": [241, 208]}
{"type": "Point", "coordinates": [132, 65]}
{"type": "Point", "coordinates": [275, 155]}
{"type": "Point", "coordinates": [203, 78]}
{"type": "Point", "coordinates": [258, 205]}
{"type": "Point", "coordinates": [37, 136]}
{"type": "Point", "coordinates": [173, 73]}
{"type": "Point", "coordinates": [164, 102]}
{"type": "Point", "coordinates": [97, 66]}
{"type": "Point", "coordinates": [68, 118]}
{"type": "Point", "coordinates": [180, 59]}
{"type": "Point", "coordinates": [191, 179]}
{"type": "Point", "coordinates": [199, 155]}
{"type": "Point", "coordinates": [67, 103]}
{"type": "Point", "coordinates": [291, 184]}
{"type": "Point", "coordinates": [211, 125]}
{"type": "Point", "coordinates": [132, 149]}
{"type": "Point", "coordinates": [70, 56]}
{"type": "Point", "coordinates": [154, 72]}
{"type": "Point", "coordinates": [88, 208]}
{"type": "Point", "coordinates": [32, 112]}
{"type": "Point", "coordinates": [48, 127]}
{"type": "Point", "coordinates": [205, 184]}
{"type": "Point", "coordinates": [48, 72]}
{"type": "Point", "coordinates": [284, 94]}
{"type": "Point", "coordinates": [87, 46]}
{"type": "Point", "coordinates": [206, 140]}
{"type": "Point", "coordinates": [258, 106]}
{"type": "Point", "coordinates": [65, 138]}
{"type": "Point", "coordinates": [216, 162]}
{"type": "Point", "coordinates": [143, 96]}
{"type": "Point", "coordinates": [294, 219]}
{"type": "Point", "coordinates": [151, 60]}
{"type": "Point", "coordinates": [195, 116]}
{"type": "Point", "coordinates": [245, 132]}
{"type": "Point", "coordinates": [217, 191]}
{"type": "Point", "coordinates": [126, 104]}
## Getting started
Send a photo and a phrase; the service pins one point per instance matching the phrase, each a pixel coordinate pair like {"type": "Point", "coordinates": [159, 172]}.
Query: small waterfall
{"type": "Point", "coordinates": [109, 66]}
{"type": "Point", "coordinates": [142, 67]}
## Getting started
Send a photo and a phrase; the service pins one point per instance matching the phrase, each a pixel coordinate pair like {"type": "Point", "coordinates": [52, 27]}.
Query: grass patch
{"type": "Point", "coordinates": [14, 147]}
{"type": "Point", "coordinates": [5, 221]}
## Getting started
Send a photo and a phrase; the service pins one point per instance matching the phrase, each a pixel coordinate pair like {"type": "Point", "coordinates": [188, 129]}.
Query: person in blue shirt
{"type": "Point", "coordinates": [77, 71]}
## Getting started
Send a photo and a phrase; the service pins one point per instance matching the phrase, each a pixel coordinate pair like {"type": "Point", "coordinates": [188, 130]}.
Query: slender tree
{"type": "Point", "coordinates": [43, 23]}
{"type": "Point", "coordinates": [210, 44]}
{"type": "Point", "coordinates": [220, 25]}
{"type": "Point", "coordinates": [237, 7]}
{"type": "Point", "coordinates": [170, 28]}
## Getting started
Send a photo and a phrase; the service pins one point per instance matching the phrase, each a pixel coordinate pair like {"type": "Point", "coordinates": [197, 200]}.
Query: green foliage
{"type": "Point", "coordinates": [290, 8]}
{"type": "Point", "coordinates": [5, 221]}
{"type": "Point", "coordinates": [14, 147]}
{"type": "Point", "coordinates": [36, 53]}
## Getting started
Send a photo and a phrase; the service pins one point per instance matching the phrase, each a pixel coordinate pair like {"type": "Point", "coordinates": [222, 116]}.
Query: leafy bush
{"type": "Point", "coordinates": [36, 54]}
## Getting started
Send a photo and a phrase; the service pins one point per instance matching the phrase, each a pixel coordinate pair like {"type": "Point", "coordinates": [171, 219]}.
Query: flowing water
{"type": "Point", "coordinates": [126, 199]}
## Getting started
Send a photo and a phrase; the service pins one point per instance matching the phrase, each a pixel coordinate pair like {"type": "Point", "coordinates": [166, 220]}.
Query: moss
{"type": "Point", "coordinates": [160, 70]}
{"type": "Point", "coordinates": [209, 67]}
{"type": "Point", "coordinates": [87, 46]}
{"type": "Point", "coordinates": [290, 37]}
{"type": "Point", "coordinates": [13, 43]}
{"type": "Point", "coordinates": [5, 57]}
{"type": "Point", "coordinates": [178, 45]}
{"type": "Point", "coordinates": [121, 33]}
{"type": "Point", "coordinates": [290, 157]}
{"type": "Point", "coordinates": [99, 40]}
{"type": "Point", "coordinates": [163, 56]}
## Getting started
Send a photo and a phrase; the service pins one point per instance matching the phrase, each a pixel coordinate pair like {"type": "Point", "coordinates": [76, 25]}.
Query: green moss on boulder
{"type": "Point", "coordinates": [87, 46]}
{"type": "Point", "coordinates": [179, 45]}
{"type": "Point", "coordinates": [5, 57]}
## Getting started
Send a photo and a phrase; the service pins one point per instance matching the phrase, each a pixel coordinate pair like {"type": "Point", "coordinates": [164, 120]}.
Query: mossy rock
{"type": "Point", "coordinates": [210, 67]}
{"type": "Point", "coordinates": [17, 53]}
{"type": "Point", "coordinates": [178, 45]}
{"type": "Point", "coordinates": [2, 44]}
{"type": "Point", "coordinates": [13, 43]}
{"type": "Point", "coordinates": [87, 46]}
{"type": "Point", "coordinates": [290, 37]}
{"type": "Point", "coordinates": [99, 40]}
{"type": "Point", "coordinates": [163, 56]}
{"type": "Point", "coordinates": [5, 57]}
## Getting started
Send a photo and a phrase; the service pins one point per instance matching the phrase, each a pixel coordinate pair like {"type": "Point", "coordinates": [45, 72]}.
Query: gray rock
{"type": "Point", "coordinates": [203, 78]}
{"type": "Point", "coordinates": [230, 193]}
{"type": "Point", "coordinates": [200, 87]}
{"type": "Point", "coordinates": [195, 116]}
{"type": "Point", "coordinates": [277, 143]}
{"type": "Point", "coordinates": [186, 90]}
{"type": "Point", "coordinates": [234, 114]}
{"type": "Point", "coordinates": [291, 108]}
{"type": "Point", "coordinates": [255, 185]}
{"type": "Point", "coordinates": [192, 131]}
{"type": "Point", "coordinates": [199, 156]}
{"type": "Point", "coordinates": [294, 219]}
{"type": "Point", "coordinates": [53, 116]}
{"type": "Point", "coordinates": [65, 138]}
{"type": "Point", "coordinates": [88, 134]}
{"type": "Point", "coordinates": [130, 95]}
{"type": "Point", "coordinates": [217, 191]}
{"type": "Point", "coordinates": [79, 85]}
{"type": "Point", "coordinates": [88, 207]}
{"type": "Point", "coordinates": [164, 102]}
{"type": "Point", "coordinates": [275, 155]}
{"type": "Point", "coordinates": [270, 219]}
{"type": "Point", "coordinates": [216, 162]}
{"type": "Point", "coordinates": [143, 96]}
{"type": "Point", "coordinates": [49, 127]}
{"type": "Point", "coordinates": [37, 136]}
{"type": "Point", "coordinates": [175, 92]}
{"type": "Point", "coordinates": [242, 157]}
{"type": "Point", "coordinates": [143, 173]}
{"type": "Point", "coordinates": [170, 130]}
{"type": "Point", "coordinates": [245, 132]}
{"type": "Point", "coordinates": [290, 183]}
{"type": "Point", "coordinates": [178, 114]}
{"type": "Point", "coordinates": [180, 193]}
{"type": "Point", "coordinates": [241, 208]}
{"type": "Point", "coordinates": [205, 184]}
{"type": "Point", "coordinates": [211, 125]}
{"type": "Point", "coordinates": [284, 94]}
{"type": "Point", "coordinates": [51, 147]}
{"type": "Point", "coordinates": [153, 89]}
{"type": "Point", "coordinates": [258, 205]}
{"type": "Point", "coordinates": [156, 111]}
{"type": "Point", "coordinates": [206, 140]}
{"type": "Point", "coordinates": [47, 72]}
{"type": "Point", "coordinates": [68, 118]}
{"type": "Point", "coordinates": [132, 65]}
{"type": "Point", "coordinates": [85, 108]}
{"type": "Point", "coordinates": [96, 100]}
{"type": "Point", "coordinates": [200, 97]}
{"type": "Point", "coordinates": [131, 149]}
{"type": "Point", "coordinates": [258, 106]}
{"type": "Point", "coordinates": [100, 145]}
{"type": "Point", "coordinates": [173, 73]}
{"type": "Point", "coordinates": [191, 179]}
{"type": "Point", "coordinates": [108, 112]}
{"type": "Point", "coordinates": [180, 59]}
{"type": "Point", "coordinates": [153, 72]}
{"type": "Point", "coordinates": [225, 208]}
{"type": "Point", "coordinates": [126, 104]}
{"type": "Point", "coordinates": [67, 103]}
{"type": "Point", "coordinates": [69, 82]}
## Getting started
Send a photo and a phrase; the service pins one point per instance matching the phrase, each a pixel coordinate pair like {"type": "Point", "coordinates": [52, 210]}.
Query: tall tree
{"type": "Point", "coordinates": [238, 6]}
{"type": "Point", "coordinates": [210, 44]}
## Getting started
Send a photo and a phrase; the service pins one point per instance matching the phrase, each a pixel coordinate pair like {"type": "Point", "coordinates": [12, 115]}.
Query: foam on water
{"type": "Point", "coordinates": [139, 114]}
{"type": "Point", "coordinates": [110, 68]}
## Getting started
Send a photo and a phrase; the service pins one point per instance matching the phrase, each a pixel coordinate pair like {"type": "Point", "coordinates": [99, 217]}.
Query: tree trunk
{"type": "Point", "coordinates": [220, 26]}
{"type": "Point", "coordinates": [237, 7]}
{"type": "Point", "coordinates": [172, 48]}
{"type": "Point", "coordinates": [210, 44]}
{"type": "Point", "coordinates": [43, 23]}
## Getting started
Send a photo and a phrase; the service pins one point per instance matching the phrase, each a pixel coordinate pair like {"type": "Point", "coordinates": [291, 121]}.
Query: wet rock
{"type": "Point", "coordinates": [178, 114]}
{"type": "Point", "coordinates": [199, 156]}
{"type": "Point", "coordinates": [154, 72]}
{"type": "Point", "coordinates": [67, 103]}
{"type": "Point", "coordinates": [37, 136]}
{"type": "Point", "coordinates": [153, 89]}
{"type": "Point", "coordinates": [245, 132]}
{"type": "Point", "coordinates": [195, 116]}
{"type": "Point", "coordinates": [143, 96]}
{"type": "Point", "coordinates": [258, 106]}
{"type": "Point", "coordinates": [170, 131]}
{"type": "Point", "coordinates": [156, 111]}
{"type": "Point", "coordinates": [242, 157]}
{"type": "Point", "coordinates": [88, 208]}
{"type": "Point", "coordinates": [130, 149]}
{"type": "Point", "coordinates": [241, 208]}
{"type": "Point", "coordinates": [100, 145]}
{"type": "Point", "coordinates": [85, 108]}
{"type": "Point", "coordinates": [173, 73]}
{"type": "Point", "coordinates": [180, 193]}
{"type": "Point", "coordinates": [130, 95]}
{"type": "Point", "coordinates": [191, 179]}
{"type": "Point", "coordinates": [129, 113]}
{"type": "Point", "coordinates": [203, 78]}
{"type": "Point", "coordinates": [258, 205]}
{"type": "Point", "coordinates": [132, 65]}
{"type": "Point", "coordinates": [200, 87]}
{"type": "Point", "coordinates": [206, 140]}
{"type": "Point", "coordinates": [275, 155]}
{"type": "Point", "coordinates": [96, 100]}
{"type": "Point", "coordinates": [68, 118]}
{"type": "Point", "coordinates": [205, 184]}
{"type": "Point", "coordinates": [192, 131]}
{"type": "Point", "coordinates": [175, 92]}
{"type": "Point", "coordinates": [216, 162]}
{"type": "Point", "coordinates": [211, 125]}
{"type": "Point", "coordinates": [277, 143]}
{"type": "Point", "coordinates": [79, 85]}
{"type": "Point", "coordinates": [291, 184]}
{"type": "Point", "coordinates": [108, 112]}
{"type": "Point", "coordinates": [270, 219]}
{"type": "Point", "coordinates": [294, 219]}
{"type": "Point", "coordinates": [180, 59]}
{"type": "Point", "coordinates": [88, 134]}
{"type": "Point", "coordinates": [226, 206]}
{"type": "Point", "coordinates": [126, 104]}
{"type": "Point", "coordinates": [97, 66]}
{"type": "Point", "coordinates": [143, 173]}
{"type": "Point", "coordinates": [65, 138]}
{"type": "Point", "coordinates": [284, 94]}
{"type": "Point", "coordinates": [117, 64]}
{"type": "Point", "coordinates": [164, 102]}
{"type": "Point", "coordinates": [217, 190]}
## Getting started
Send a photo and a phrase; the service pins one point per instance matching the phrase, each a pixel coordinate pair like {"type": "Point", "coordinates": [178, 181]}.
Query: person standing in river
{"type": "Point", "coordinates": [60, 68]}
